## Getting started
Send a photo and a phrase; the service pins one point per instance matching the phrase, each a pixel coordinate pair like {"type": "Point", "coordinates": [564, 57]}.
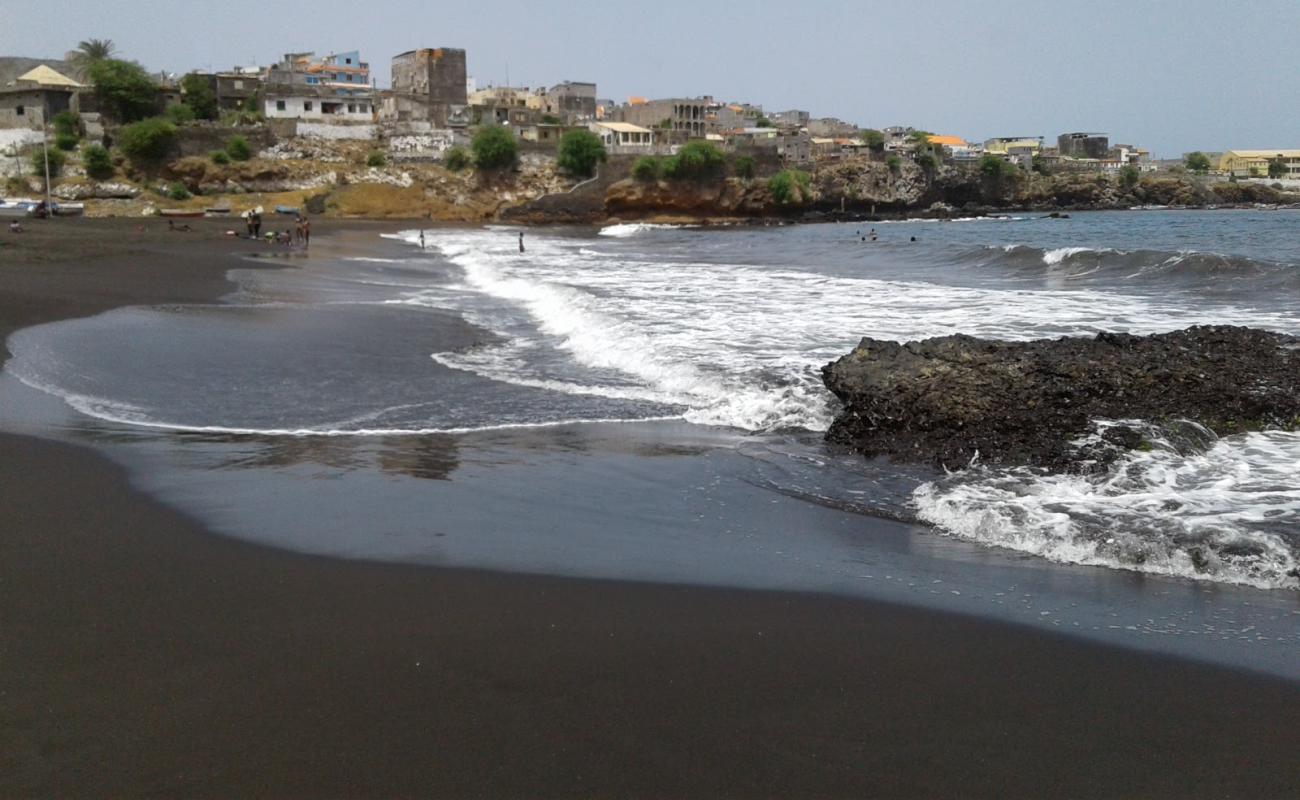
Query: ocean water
{"type": "Point", "coordinates": [645, 402]}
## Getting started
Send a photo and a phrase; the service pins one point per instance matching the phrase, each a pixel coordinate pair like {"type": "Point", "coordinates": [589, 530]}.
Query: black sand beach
{"type": "Point", "coordinates": [142, 655]}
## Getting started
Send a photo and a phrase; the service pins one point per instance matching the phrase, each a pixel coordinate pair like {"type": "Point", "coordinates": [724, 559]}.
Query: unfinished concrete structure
{"type": "Point", "coordinates": [1083, 145]}
{"type": "Point", "coordinates": [429, 86]}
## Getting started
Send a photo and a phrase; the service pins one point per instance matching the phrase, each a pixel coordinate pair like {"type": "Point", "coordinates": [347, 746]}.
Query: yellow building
{"type": "Point", "coordinates": [1254, 163]}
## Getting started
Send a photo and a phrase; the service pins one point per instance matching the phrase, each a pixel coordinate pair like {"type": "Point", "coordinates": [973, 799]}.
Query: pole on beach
{"type": "Point", "coordinates": [45, 147]}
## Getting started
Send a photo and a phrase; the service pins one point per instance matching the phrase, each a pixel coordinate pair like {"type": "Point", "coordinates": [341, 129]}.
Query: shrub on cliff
{"type": "Point", "coordinates": [179, 114]}
{"type": "Point", "coordinates": [456, 159]}
{"type": "Point", "coordinates": [696, 161]}
{"type": "Point", "coordinates": [743, 168]}
{"type": "Point", "coordinates": [895, 164]}
{"type": "Point", "coordinates": [995, 168]}
{"type": "Point", "coordinates": [148, 140]}
{"type": "Point", "coordinates": [494, 148]}
{"type": "Point", "coordinates": [177, 191]}
{"type": "Point", "coordinates": [67, 123]}
{"type": "Point", "coordinates": [873, 139]}
{"type": "Point", "coordinates": [57, 159]}
{"type": "Point", "coordinates": [646, 169]}
{"type": "Point", "coordinates": [125, 90]}
{"type": "Point", "coordinates": [97, 161]}
{"type": "Point", "coordinates": [376, 158]}
{"type": "Point", "coordinates": [579, 153]}
{"type": "Point", "coordinates": [237, 147]}
{"type": "Point", "coordinates": [220, 158]}
{"type": "Point", "coordinates": [65, 141]}
{"type": "Point", "coordinates": [1129, 177]}
{"type": "Point", "coordinates": [790, 187]}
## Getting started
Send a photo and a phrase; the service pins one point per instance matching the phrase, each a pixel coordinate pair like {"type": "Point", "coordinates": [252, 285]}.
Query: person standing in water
{"type": "Point", "coordinates": [521, 241]}
{"type": "Point", "coordinates": [421, 240]}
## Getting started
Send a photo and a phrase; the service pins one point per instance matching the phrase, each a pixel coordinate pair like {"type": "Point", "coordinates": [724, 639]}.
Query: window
{"type": "Point", "coordinates": [348, 60]}
{"type": "Point", "coordinates": [279, 105]}
{"type": "Point", "coordinates": [239, 84]}
{"type": "Point", "coordinates": [365, 109]}
{"type": "Point", "coordinates": [352, 108]}
{"type": "Point", "coordinates": [21, 111]}
{"type": "Point", "coordinates": [306, 106]}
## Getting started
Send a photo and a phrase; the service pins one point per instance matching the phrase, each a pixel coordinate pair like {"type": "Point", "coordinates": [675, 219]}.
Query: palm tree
{"type": "Point", "coordinates": [89, 53]}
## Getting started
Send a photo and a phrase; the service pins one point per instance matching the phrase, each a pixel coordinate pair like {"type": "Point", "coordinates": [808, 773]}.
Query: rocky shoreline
{"type": "Point", "coordinates": [958, 400]}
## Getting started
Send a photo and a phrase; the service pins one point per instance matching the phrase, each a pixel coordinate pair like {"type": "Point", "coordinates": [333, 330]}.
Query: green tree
{"type": "Point", "coordinates": [579, 152]}
{"type": "Point", "coordinates": [197, 93]}
{"type": "Point", "coordinates": [1198, 162]}
{"type": "Point", "coordinates": [125, 90]}
{"type": "Point", "coordinates": [237, 147]}
{"type": "Point", "coordinates": [220, 157]}
{"type": "Point", "coordinates": [790, 187]}
{"type": "Point", "coordinates": [494, 148]}
{"type": "Point", "coordinates": [456, 159]}
{"type": "Point", "coordinates": [920, 141]}
{"type": "Point", "coordinates": [695, 161]}
{"type": "Point", "coordinates": [1129, 176]}
{"type": "Point", "coordinates": [1276, 168]}
{"type": "Point", "coordinates": [148, 141]}
{"type": "Point", "coordinates": [743, 167]}
{"type": "Point", "coordinates": [763, 122]}
{"type": "Point", "coordinates": [646, 169]}
{"type": "Point", "coordinates": [97, 162]}
{"type": "Point", "coordinates": [873, 139]}
{"type": "Point", "coordinates": [88, 53]}
{"type": "Point", "coordinates": [927, 162]}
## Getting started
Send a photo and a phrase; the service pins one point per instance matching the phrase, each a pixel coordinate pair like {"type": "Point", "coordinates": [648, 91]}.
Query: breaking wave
{"type": "Point", "coordinates": [1182, 269]}
{"type": "Point", "coordinates": [1193, 506]}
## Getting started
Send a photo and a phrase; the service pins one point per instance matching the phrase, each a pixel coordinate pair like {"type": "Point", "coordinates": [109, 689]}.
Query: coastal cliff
{"type": "Point", "coordinates": [957, 399]}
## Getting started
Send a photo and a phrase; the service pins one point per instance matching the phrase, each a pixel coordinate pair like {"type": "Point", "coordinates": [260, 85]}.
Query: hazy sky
{"type": "Point", "coordinates": [1172, 76]}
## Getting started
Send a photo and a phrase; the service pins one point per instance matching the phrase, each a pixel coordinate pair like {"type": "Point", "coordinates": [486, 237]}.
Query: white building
{"type": "Point", "coordinates": [318, 105]}
{"type": "Point", "coordinates": [623, 137]}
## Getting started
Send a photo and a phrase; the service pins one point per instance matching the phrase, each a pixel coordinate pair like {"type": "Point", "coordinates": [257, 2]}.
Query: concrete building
{"type": "Point", "coordinates": [830, 128]}
{"type": "Point", "coordinates": [571, 101]}
{"type": "Point", "coordinates": [335, 88]}
{"type": "Point", "coordinates": [429, 86]}
{"type": "Point", "coordinates": [1083, 145]}
{"type": "Point", "coordinates": [790, 119]}
{"type": "Point", "coordinates": [688, 116]}
{"type": "Point", "coordinates": [1004, 145]}
{"type": "Point", "coordinates": [1254, 163]}
{"type": "Point", "coordinates": [35, 97]}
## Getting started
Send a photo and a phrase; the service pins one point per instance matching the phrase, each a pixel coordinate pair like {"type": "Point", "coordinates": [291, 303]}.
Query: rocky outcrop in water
{"type": "Point", "coordinates": [953, 399]}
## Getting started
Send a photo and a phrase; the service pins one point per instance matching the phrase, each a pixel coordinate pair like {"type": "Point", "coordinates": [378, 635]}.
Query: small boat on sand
{"type": "Point", "coordinates": [286, 210]}
{"type": "Point", "coordinates": [69, 209]}
{"type": "Point", "coordinates": [180, 212]}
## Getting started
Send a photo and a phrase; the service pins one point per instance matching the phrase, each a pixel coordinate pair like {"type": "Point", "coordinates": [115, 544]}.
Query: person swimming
{"type": "Point", "coordinates": [521, 241]}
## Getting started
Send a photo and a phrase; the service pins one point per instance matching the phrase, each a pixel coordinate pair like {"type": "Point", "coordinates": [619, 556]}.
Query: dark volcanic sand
{"type": "Point", "coordinates": [140, 655]}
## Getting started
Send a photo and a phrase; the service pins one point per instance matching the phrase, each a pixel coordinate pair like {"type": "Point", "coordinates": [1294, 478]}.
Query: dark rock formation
{"type": "Point", "coordinates": [945, 400]}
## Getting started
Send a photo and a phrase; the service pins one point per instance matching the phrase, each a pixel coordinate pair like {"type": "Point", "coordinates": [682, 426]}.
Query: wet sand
{"type": "Point", "coordinates": [142, 655]}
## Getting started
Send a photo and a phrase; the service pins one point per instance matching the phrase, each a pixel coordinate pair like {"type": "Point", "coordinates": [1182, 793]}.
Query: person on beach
{"type": "Point", "coordinates": [421, 240]}
{"type": "Point", "coordinates": [257, 224]}
{"type": "Point", "coordinates": [521, 241]}
{"type": "Point", "coordinates": [248, 225]}
{"type": "Point", "coordinates": [306, 232]}
{"type": "Point", "coordinates": [15, 227]}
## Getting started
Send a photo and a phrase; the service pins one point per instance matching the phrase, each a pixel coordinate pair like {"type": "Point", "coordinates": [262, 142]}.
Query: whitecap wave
{"type": "Point", "coordinates": [1221, 514]}
{"type": "Point", "coordinates": [626, 229]}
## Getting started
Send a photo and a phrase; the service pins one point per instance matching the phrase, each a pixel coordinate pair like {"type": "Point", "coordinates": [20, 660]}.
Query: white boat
{"type": "Point", "coordinates": [16, 208]}
{"type": "Point", "coordinates": [69, 209]}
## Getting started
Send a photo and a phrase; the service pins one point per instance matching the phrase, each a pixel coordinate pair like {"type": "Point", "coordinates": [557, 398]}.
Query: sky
{"type": "Point", "coordinates": [1172, 76]}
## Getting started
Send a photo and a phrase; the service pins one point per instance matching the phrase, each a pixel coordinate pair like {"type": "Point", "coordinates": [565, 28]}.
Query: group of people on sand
{"type": "Point", "coordinates": [300, 234]}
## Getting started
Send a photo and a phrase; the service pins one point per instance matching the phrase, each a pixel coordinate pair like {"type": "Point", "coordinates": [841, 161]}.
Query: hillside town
{"type": "Point", "coordinates": [317, 106]}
